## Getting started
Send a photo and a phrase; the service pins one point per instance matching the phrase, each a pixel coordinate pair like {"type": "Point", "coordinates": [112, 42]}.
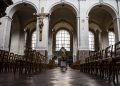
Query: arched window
{"type": "Point", "coordinates": [63, 40]}
{"type": "Point", "coordinates": [34, 40]}
{"type": "Point", "coordinates": [111, 36]}
{"type": "Point", "coordinates": [91, 41]}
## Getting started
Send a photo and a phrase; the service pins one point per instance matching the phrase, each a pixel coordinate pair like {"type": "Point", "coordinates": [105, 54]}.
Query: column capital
{"type": "Point", "coordinates": [78, 17]}
{"type": "Point", "coordinates": [116, 18]}
{"type": "Point", "coordinates": [8, 17]}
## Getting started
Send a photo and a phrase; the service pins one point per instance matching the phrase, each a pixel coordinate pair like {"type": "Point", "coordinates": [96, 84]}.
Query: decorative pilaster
{"type": "Point", "coordinates": [116, 22]}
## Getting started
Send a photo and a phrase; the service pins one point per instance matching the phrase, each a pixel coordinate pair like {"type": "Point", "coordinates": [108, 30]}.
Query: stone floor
{"type": "Point", "coordinates": [52, 77]}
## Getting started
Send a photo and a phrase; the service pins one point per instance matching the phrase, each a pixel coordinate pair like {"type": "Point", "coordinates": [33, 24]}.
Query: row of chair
{"type": "Point", "coordinates": [104, 64]}
{"type": "Point", "coordinates": [32, 61]}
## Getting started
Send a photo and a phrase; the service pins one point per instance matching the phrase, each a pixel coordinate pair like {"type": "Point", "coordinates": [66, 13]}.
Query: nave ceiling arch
{"type": "Point", "coordinates": [103, 15]}
{"type": "Point", "coordinates": [62, 16]}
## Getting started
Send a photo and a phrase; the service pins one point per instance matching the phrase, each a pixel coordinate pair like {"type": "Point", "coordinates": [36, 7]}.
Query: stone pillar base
{"type": "Point", "coordinates": [82, 54]}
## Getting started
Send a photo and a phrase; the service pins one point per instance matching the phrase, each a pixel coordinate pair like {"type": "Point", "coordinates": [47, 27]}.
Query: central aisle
{"type": "Point", "coordinates": [53, 77]}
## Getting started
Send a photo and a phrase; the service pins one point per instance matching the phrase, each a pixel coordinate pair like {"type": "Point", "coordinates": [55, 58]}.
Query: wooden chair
{"type": "Point", "coordinates": [6, 61]}
{"type": "Point", "coordinates": [1, 60]}
{"type": "Point", "coordinates": [11, 61]}
{"type": "Point", "coordinates": [116, 62]}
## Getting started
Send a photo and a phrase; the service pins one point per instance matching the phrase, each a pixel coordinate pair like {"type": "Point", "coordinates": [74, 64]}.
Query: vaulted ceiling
{"type": "Point", "coordinates": [101, 17]}
{"type": "Point", "coordinates": [63, 13]}
{"type": "Point", "coordinates": [25, 14]}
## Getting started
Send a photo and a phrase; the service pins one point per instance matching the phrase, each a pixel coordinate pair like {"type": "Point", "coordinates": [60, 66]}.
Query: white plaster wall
{"type": "Point", "coordinates": [15, 37]}
{"type": "Point", "coordinates": [6, 34]}
{"type": "Point", "coordinates": [2, 20]}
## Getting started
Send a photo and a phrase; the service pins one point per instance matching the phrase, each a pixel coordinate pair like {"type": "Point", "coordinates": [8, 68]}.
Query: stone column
{"type": "Point", "coordinates": [84, 39]}
{"type": "Point", "coordinates": [78, 25]}
{"type": "Point", "coordinates": [117, 29]}
{"type": "Point", "coordinates": [6, 36]}
{"type": "Point", "coordinates": [97, 47]}
{"type": "Point", "coordinates": [84, 34]}
{"type": "Point", "coordinates": [28, 38]}
{"type": "Point", "coordinates": [50, 44]}
{"type": "Point", "coordinates": [76, 41]}
{"type": "Point", "coordinates": [100, 40]}
{"type": "Point", "coordinates": [105, 40]}
{"type": "Point", "coordinates": [118, 5]}
{"type": "Point", "coordinates": [78, 32]}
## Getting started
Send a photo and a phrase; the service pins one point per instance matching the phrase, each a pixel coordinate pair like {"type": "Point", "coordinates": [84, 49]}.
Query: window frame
{"type": "Point", "coordinates": [63, 37]}
{"type": "Point", "coordinates": [91, 41]}
{"type": "Point", "coordinates": [111, 38]}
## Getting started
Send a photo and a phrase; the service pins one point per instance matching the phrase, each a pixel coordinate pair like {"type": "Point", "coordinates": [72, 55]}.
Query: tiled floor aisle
{"type": "Point", "coordinates": [52, 77]}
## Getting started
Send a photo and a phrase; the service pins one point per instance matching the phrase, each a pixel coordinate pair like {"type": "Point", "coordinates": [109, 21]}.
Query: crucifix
{"type": "Point", "coordinates": [41, 16]}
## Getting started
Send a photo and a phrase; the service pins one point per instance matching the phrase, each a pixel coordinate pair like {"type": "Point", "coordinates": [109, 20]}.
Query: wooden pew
{"type": "Point", "coordinates": [1, 60]}
{"type": "Point", "coordinates": [116, 62]}
{"type": "Point", "coordinates": [6, 61]}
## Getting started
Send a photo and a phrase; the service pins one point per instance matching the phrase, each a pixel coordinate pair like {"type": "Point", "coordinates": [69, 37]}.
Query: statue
{"type": "Point", "coordinates": [63, 61]}
{"type": "Point", "coordinates": [41, 16]}
{"type": "Point", "coordinates": [62, 53]}
{"type": "Point", "coordinates": [41, 24]}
